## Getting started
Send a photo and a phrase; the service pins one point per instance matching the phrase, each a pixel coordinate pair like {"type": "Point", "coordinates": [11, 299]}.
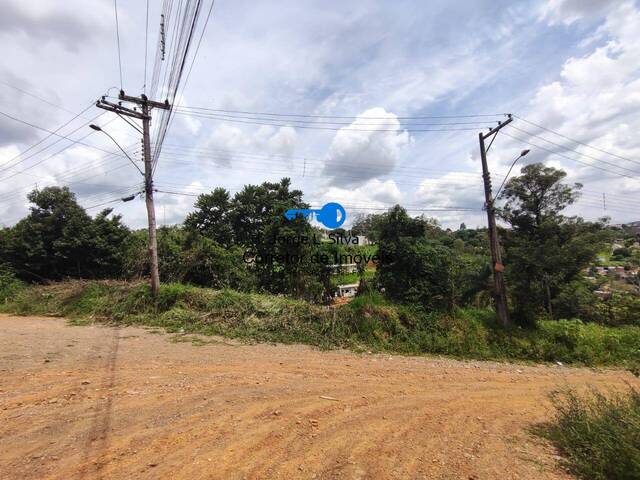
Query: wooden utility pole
{"type": "Point", "coordinates": [145, 116]}
{"type": "Point", "coordinates": [499, 287]}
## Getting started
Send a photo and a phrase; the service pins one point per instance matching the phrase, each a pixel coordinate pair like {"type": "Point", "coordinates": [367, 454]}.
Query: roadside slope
{"type": "Point", "coordinates": [105, 402]}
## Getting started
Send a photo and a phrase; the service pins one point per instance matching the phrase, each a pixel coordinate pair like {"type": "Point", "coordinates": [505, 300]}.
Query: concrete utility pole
{"type": "Point", "coordinates": [500, 290]}
{"type": "Point", "coordinates": [145, 116]}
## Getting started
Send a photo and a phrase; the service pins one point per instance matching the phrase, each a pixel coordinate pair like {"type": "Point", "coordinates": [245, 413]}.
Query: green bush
{"type": "Point", "coordinates": [9, 284]}
{"type": "Point", "coordinates": [368, 322]}
{"type": "Point", "coordinates": [598, 434]}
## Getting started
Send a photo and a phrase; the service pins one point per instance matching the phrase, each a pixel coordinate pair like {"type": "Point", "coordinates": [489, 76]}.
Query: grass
{"type": "Point", "coordinates": [350, 278]}
{"type": "Point", "coordinates": [368, 323]}
{"type": "Point", "coordinates": [598, 435]}
{"type": "Point", "coordinates": [9, 285]}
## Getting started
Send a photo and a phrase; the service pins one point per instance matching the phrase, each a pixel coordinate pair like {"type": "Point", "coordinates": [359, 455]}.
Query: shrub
{"type": "Point", "coordinates": [9, 284]}
{"type": "Point", "coordinates": [368, 322]}
{"type": "Point", "coordinates": [599, 435]}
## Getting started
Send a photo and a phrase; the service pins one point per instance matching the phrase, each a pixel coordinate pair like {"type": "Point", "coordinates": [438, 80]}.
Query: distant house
{"type": "Point", "coordinates": [602, 294]}
{"type": "Point", "coordinates": [617, 270]}
{"type": "Point", "coordinates": [348, 290]}
{"type": "Point", "coordinates": [344, 268]}
{"type": "Point", "coordinates": [632, 226]}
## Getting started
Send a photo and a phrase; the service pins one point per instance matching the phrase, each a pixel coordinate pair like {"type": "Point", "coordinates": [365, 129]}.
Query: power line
{"type": "Point", "coordinates": [567, 149]}
{"type": "Point", "coordinates": [37, 97]}
{"type": "Point", "coordinates": [372, 207]}
{"type": "Point", "coordinates": [146, 47]}
{"type": "Point", "coordinates": [414, 117]}
{"type": "Point", "coordinates": [565, 156]}
{"type": "Point", "coordinates": [389, 123]}
{"type": "Point", "coordinates": [313, 127]}
{"type": "Point", "coordinates": [109, 154]}
{"type": "Point", "coordinates": [191, 154]}
{"type": "Point", "coordinates": [53, 132]}
{"type": "Point", "coordinates": [195, 54]}
{"type": "Point", "coordinates": [193, 60]}
{"type": "Point", "coordinates": [4, 165]}
{"type": "Point", "coordinates": [115, 8]}
{"type": "Point", "coordinates": [189, 21]}
{"type": "Point", "coordinates": [577, 141]}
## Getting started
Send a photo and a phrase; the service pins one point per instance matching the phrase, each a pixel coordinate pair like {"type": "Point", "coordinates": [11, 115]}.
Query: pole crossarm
{"type": "Point", "coordinates": [142, 99]}
{"type": "Point", "coordinates": [119, 109]}
{"type": "Point", "coordinates": [497, 129]}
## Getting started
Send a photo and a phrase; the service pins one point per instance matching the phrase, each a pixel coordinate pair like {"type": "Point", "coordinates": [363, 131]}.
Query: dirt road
{"type": "Point", "coordinates": [127, 403]}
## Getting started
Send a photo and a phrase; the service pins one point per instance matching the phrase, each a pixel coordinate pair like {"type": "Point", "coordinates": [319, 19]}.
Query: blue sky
{"type": "Point", "coordinates": [572, 66]}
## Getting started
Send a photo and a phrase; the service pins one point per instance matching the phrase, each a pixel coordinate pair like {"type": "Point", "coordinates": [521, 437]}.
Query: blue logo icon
{"type": "Point", "coordinates": [331, 215]}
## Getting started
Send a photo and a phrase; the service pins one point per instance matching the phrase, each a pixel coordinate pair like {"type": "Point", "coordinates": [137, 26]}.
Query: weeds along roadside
{"type": "Point", "coordinates": [368, 323]}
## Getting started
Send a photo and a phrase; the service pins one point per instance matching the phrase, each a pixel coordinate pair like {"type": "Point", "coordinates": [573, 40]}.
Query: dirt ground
{"type": "Point", "coordinates": [97, 402]}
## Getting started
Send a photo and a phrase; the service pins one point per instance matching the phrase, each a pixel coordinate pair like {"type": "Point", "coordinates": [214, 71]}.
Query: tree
{"type": "Point", "coordinates": [413, 268]}
{"type": "Point", "coordinates": [543, 248]}
{"type": "Point", "coordinates": [206, 263]}
{"type": "Point", "coordinates": [537, 196]}
{"type": "Point", "coordinates": [367, 225]}
{"type": "Point", "coordinates": [109, 237]}
{"type": "Point", "coordinates": [254, 221]}
{"type": "Point", "coordinates": [55, 239]}
{"type": "Point", "coordinates": [212, 217]}
{"type": "Point", "coordinates": [58, 239]}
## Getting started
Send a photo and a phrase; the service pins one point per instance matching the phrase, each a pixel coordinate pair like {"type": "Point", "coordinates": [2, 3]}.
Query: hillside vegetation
{"type": "Point", "coordinates": [367, 323]}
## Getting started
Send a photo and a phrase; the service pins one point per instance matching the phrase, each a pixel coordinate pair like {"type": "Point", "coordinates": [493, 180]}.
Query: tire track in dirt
{"type": "Point", "coordinates": [98, 437]}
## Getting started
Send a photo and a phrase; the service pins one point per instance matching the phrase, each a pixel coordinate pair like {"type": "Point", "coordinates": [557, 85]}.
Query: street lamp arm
{"type": "Point", "coordinates": [99, 129]}
{"type": "Point", "coordinates": [522, 154]}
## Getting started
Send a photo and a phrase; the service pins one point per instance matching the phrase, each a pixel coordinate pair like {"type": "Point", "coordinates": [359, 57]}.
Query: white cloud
{"type": "Point", "coordinates": [334, 58]}
{"type": "Point", "coordinates": [357, 156]}
{"type": "Point", "coordinates": [451, 190]}
{"type": "Point", "coordinates": [570, 11]}
{"type": "Point", "coordinates": [229, 142]}
{"type": "Point", "coordinates": [372, 197]}
{"type": "Point", "coordinates": [595, 100]}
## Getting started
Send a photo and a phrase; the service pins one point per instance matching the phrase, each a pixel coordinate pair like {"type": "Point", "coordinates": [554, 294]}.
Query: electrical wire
{"type": "Point", "coordinates": [342, 129]}
{"type": "Point", "coordinates": [182, 49]}
{"type": "Point", "coordinates": [193, 60]}
{"type": "Point", "coordinates": [372, 207]}
{"type": "Point", "coordinates": [37, 97]}
{"type": "Point", "coordinates": [389, 123]}
{"type": "Point", "coordinates": [52, 133]}
{"type": "Point", "coordinates": [565, 156]}
{"type": "Point", "coordinates": [53, 155]}
{"type": "Point", "coordinates": [146, 47]}
{"type": "Point", "coordinates": [115, 9]}
{"type": "Point", "coordinates": [576, 141]}
{"type": "Point", "coordinates": [354, 117]}
{"type": "Point", "coordinates": [567, 149]}
{"type": "Point", "coordinates": [204, 28]}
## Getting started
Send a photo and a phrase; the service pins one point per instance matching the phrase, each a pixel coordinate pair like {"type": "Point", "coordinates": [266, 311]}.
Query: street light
{"type": "Point", "coordinates": [522, 154]}
{"type": "Point", "coordinates": [99, 129]}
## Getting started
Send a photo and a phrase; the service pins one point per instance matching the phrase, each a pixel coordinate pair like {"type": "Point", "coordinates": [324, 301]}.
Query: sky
{"type": "Point", "coordinates": [568, 70]}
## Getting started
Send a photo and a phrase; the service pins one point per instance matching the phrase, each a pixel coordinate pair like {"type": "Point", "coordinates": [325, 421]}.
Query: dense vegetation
{"type": "Point", "coordinates": [369, 322]}
{"type": "Point", "coordinates": [243, 242]}
{"type": "Point", "coordinates": [599, 435]}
